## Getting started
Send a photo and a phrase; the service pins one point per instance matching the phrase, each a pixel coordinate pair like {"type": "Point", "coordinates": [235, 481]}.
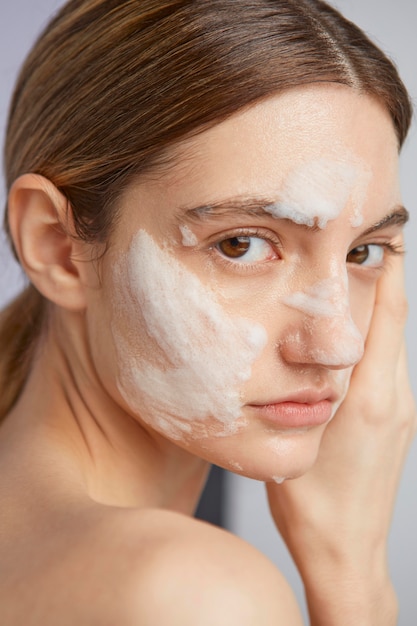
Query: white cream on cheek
{"type": "Point", "coordinates": [318, 191]}
{"type": "Point", "coordinates": [205, 355]}
{"type": "Point", "coordinates": [188, 237]}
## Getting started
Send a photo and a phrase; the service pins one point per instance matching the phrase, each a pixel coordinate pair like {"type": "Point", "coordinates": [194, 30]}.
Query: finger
{"type": "Point", "coordinates": [386, 333]}
{"type": "Point", "coordinates": [405, 399]}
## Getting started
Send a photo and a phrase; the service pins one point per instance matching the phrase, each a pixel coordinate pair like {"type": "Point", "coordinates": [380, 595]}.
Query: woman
{"type": "Point", "coordinates": [205, 199]}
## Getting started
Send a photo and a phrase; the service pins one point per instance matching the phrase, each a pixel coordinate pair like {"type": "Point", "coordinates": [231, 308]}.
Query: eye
{"type": "Point", "coordinates": [370, 255]}
{"type": "Point", "coordinates": [246, 249]}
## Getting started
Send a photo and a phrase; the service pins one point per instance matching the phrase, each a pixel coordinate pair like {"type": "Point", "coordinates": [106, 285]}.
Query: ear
{"type": "Point", "coordinates": [38, 214]}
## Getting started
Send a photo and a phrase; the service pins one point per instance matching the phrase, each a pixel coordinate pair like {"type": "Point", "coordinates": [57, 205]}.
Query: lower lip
{"type": "Point", "coordinates": [295, 414]}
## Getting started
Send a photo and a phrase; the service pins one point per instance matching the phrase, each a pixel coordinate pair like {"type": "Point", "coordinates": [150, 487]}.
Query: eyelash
{"type": "Point", "coordinates": [390, 249]}
{"type": "Point", "coordinates": [274, 242]}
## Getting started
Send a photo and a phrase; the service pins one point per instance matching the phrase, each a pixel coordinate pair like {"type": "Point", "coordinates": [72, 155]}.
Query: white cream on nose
{"type": "Point", "coordinates": [328, 299]}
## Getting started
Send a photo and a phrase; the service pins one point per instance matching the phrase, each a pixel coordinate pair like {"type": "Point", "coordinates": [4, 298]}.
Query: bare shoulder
{"type": "Point", "coordinates": [141, 568]}
{"type": "Point", "coordinates": [187, 572]}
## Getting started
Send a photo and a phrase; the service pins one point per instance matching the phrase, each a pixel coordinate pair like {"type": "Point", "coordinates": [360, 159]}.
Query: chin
{"type": "Point", "coordinates": [267, 456]}
{"type": "Point", "coordinates": [275, 472]}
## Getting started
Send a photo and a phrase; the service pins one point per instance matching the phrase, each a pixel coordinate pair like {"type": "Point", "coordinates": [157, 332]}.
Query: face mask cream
{"type": "Point", "coordinates": [184, 369]}
{"type": "Point", "coordinates": [318, 191]}
{"type": "Point", "coordinates": [329, 299]}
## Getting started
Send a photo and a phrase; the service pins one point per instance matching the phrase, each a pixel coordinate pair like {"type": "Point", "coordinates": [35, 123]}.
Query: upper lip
{"type": "Point", "coordinates": [305, 396]}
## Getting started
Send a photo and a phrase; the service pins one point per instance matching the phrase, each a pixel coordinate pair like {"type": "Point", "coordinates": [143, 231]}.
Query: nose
{"type": "Point", "coordinates": [322, 331]}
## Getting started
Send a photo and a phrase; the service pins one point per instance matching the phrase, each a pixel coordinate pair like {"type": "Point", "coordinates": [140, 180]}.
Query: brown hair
{"type": "Point", "coordinates": [111, 84]}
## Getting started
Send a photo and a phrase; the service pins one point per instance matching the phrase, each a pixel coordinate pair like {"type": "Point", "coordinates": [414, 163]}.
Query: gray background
{"type": "Point", "coordinates": [392, 25]}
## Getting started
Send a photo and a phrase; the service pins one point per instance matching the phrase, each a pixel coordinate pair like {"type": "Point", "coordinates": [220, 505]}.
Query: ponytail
{"type": "Point", "coordinates": [20, 326]}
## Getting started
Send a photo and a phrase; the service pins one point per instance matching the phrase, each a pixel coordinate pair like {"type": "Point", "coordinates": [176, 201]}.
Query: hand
{"type": "Point", "coordinates": [335, 519]}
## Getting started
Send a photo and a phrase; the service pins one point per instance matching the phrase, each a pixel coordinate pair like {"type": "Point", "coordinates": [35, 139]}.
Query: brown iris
{"type": "Point", "coordinates": [234, 247]}
{"type": "Point", "coordinates": [359, 255]}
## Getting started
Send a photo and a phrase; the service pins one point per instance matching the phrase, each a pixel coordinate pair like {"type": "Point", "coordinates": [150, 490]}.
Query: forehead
{"type": "Point", "coordinates": [325, 143]}
{"type": "Point", "coordinates": [255, 150]}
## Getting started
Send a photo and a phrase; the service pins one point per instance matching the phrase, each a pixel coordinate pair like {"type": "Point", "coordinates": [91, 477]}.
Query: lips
{"type": "Point", "coordinates": [303, 410]}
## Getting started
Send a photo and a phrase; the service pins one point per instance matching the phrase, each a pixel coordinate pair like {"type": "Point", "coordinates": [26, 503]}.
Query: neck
{"type": "Point", "coordinates": [72, 418]}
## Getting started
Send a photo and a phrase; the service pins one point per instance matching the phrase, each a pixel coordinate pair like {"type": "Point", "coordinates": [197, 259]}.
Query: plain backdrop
{"type": "Point", "coordinates": [392, 25]}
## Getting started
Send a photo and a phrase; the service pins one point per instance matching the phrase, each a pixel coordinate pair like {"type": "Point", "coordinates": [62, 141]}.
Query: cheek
{"type": "Point", "coordinates": [362, 302]}
{"type": "Point", "coordinates": [182, 358]}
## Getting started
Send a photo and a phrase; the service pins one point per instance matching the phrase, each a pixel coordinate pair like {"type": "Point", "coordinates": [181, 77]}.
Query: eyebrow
{"type": "Point", "coordinates": [255, 207]}
{"type": "Point", "coordinates": [258, 207]}
{"type": "Point", "coordinates": [398, 217]}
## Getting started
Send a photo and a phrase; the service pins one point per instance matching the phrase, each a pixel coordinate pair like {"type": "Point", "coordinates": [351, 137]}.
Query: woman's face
{"type": "Point", "coordinates": [239, 285]}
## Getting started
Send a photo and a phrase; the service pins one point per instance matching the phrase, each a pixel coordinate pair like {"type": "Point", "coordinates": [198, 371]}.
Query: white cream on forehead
{"type": "Point", "coordinates": [318, 191]}
{"type": "Point", "coordinates": [329, 298]}
{"type": "Point", "coordinates": [198, 355]}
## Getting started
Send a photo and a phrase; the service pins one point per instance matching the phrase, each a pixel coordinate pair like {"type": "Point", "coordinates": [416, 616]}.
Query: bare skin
{"type": "Point", "coordinates": [377, 427]}
{"type": "Point", "coordinates": [95, 523]}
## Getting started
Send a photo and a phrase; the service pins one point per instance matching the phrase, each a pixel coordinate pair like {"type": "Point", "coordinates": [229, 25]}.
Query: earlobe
{"type": "Point", "coordinates": [38, 218]}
